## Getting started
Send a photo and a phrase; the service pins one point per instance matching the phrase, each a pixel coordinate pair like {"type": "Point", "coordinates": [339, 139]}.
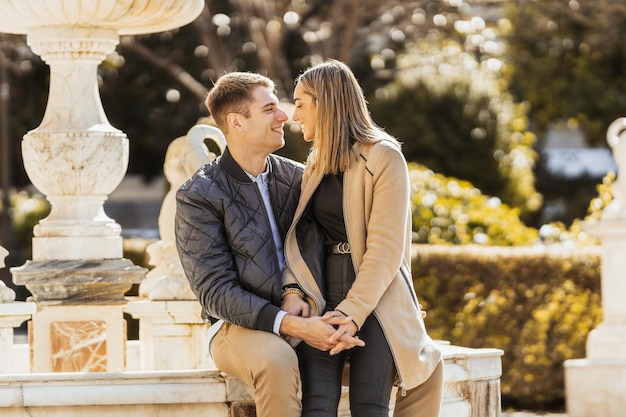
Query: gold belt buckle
{"type": "Point", "coordinates": [343, 248]}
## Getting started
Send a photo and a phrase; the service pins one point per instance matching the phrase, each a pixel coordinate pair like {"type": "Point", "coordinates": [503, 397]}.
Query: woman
{"type": "Point", "coordinates": [348, 257]}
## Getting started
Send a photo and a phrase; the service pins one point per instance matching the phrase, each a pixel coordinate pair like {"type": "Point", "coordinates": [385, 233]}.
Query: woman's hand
{"type": "Point", "coordinates": [296, 306]}
{"type": "Point", "coordinates": [344, 326]}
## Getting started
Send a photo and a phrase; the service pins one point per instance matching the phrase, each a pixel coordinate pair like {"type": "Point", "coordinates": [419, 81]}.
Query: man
{"type": "Point", "coordinates": [232, 217]}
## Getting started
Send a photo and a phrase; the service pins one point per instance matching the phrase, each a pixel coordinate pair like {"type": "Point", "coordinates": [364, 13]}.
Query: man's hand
{"type": "Point", "coordinates": [296, 306]}
{"type": "Point", "coordinates": [346, 330]}
{"type": "Point", "coordinates": [316, 332]}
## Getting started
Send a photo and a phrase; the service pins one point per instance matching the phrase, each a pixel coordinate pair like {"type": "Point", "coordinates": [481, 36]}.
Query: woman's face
{"type": "Point", "coordinates": [305, 113]}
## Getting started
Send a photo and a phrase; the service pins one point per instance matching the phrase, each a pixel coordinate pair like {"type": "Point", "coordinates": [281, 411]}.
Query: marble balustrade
{"type": "Point", "coordinates": [472, 389]}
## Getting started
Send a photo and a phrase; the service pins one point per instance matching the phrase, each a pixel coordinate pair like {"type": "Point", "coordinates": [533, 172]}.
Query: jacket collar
{"type": "Point", "coordinates": [358, 151]}
{"type": "Point", "coordinates": [233, 169]}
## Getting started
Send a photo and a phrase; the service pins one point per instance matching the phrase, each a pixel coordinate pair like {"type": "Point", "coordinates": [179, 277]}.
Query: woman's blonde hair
{"type": "Point", "coordinates": [342, 115]}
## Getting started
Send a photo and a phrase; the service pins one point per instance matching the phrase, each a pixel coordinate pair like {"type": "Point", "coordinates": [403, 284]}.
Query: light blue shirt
{"type": "Point", "coordinates": [261, 181]}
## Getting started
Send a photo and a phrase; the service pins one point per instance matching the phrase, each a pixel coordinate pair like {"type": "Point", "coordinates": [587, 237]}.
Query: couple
{"type": "Point", "coordinates": [315, 257]}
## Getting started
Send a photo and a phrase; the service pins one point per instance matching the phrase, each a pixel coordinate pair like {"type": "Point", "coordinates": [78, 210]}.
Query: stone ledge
{"type": "Point", "coordinates": [471, 377]}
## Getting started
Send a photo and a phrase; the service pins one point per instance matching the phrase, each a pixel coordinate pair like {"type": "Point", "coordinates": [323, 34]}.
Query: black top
{"type": "Point", "coordinates": [328, 208]}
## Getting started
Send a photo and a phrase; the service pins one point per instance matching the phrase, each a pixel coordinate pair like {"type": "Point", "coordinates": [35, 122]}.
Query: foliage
{"type": "Point", "coordinates": [452, 211]}
{"type": "Point", "coordinates": [27, 209]}
{"type": "Point", "coordinates": [575, 50]}
{"type": "Point", "coordinates": [25, 92]}
{"type": "Point", "coordinates": [450, 107]}
{"type": "Point", "coordinates": [166, 75]}
{"type": "Point", "coordinates": [557, 233]}
{"type": "Point", "coordinates": [538, 304]}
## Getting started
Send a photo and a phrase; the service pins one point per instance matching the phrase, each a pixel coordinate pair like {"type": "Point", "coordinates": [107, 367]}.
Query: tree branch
{"type": "Point", "coordinates": [185, 79]}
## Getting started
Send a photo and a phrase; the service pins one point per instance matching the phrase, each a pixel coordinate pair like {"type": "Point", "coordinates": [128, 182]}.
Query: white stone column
{"type": "Point", "coordinates": [75, 157]}
{"type": "Point", "coordinates": [12, 315]}
{"type": "Point", "coordinates": [595, 386]}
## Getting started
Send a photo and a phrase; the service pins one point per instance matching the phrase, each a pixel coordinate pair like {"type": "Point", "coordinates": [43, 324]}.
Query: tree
{"type": "Point", "coordinates": [568, 59]}
{"type": "Point", "coordinates": [451, 108]}
{"type": "Point", "coordinates": [166, 75]}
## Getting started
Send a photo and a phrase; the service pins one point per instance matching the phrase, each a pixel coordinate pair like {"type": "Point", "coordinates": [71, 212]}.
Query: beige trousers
{"type": "Point", "coordinates": [265, 362]}
{"type": "Point", "coordinates": [423, 400]}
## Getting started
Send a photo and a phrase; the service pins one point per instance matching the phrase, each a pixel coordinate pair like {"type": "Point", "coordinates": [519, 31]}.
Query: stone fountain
{"type": "Point", "coordinates": [595, 386]}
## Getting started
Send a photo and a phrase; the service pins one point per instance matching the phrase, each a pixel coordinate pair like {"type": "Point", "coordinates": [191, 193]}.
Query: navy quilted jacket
{"type": "Point", "coordinates": [224, 239]}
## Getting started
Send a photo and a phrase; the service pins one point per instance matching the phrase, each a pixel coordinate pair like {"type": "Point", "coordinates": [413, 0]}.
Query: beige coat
{"type": "Point", "coordinates": [376, 192]}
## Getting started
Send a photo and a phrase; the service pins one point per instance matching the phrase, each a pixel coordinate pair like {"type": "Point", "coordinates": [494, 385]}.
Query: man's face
{"type": "Point", "coordinates": [264, 128]}
{"type": "Point", "coordinates": [305, 112]}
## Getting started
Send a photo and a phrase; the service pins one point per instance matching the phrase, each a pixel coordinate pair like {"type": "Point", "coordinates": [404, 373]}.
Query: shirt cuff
{"type": "Point", "coordinates": [278, 320]}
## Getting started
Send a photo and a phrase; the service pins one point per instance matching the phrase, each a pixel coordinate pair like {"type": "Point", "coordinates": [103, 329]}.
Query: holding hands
{"type": "Point", "coordinates": [345, 335]}
{"type": "Point", "coordinates": [334, 331]}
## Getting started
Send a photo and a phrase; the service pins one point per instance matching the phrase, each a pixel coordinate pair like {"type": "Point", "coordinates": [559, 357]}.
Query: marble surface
{"type": "Point", "coordinates": [178, 393]}
{"type": "Point", "coordinates": [78, 338]}
{"type": "Point", "coordinates": [129, 17]}
{"type": "Point", "coordinates": [595, 386]}
{"type": "Point", "coordinates": [75, 157]}
{"type": "Point", "coordinates": [84, 281]}
{"type": "Point", "coordinates": [78, 346]}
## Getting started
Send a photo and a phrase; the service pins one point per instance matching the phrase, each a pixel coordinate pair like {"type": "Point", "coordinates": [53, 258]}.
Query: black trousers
{"type": "Point", "coordinates": [372, 369]}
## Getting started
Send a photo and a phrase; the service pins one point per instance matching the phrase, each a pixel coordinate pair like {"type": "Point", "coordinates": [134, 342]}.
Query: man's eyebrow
{"type": "Point", "coordinates": [270, 104]}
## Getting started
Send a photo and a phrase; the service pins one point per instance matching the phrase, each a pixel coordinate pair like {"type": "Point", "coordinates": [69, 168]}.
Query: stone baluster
{"type": "Point", "coordinates": [12, 315]}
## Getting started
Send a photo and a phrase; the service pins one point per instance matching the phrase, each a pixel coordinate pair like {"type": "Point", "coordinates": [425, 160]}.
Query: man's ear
{"type": "Point", "coordinates": [234, 121]}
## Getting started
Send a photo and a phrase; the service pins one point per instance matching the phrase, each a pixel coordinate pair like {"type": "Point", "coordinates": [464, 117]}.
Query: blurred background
{"type": "Point", "coordinates": [502, 107]}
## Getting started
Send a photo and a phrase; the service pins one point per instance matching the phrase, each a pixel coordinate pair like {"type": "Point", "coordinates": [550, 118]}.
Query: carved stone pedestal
{"type": "Point", "coordinates": [172, 334]}
{"type": "Point", "coordinates": [79, 325]}
{"type": "Point", "coordinates": [78, 338]}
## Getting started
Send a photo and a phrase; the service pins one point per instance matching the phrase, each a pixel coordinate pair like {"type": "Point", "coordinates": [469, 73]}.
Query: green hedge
{"type": "Point", "coordinates": [538, 304]}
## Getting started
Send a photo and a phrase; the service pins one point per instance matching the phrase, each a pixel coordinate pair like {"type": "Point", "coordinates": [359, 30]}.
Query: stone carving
{"type": "Point", "coordinates": [616, 138]}
{"type": "Point", "coordinates": [7, 295]}
{"type": "Point", "coordinates": [166, 281]}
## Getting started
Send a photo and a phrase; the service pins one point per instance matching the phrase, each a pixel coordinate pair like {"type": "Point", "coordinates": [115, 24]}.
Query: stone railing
{"type": "Point", "coordinates": [471, 377]}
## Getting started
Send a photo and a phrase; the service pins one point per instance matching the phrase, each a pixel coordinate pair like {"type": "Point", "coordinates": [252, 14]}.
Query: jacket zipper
{"type": "Point", "coordinates": [400, 382]}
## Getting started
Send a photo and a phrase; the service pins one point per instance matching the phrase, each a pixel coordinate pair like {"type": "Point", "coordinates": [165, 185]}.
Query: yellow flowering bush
{"type": "Point", "coordinates": [451, 211]}
{"type": "Point", "coordinates": [537, 303]}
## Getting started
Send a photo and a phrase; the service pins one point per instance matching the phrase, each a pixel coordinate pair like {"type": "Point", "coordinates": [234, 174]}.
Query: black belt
{"type": "Point", "coordinates": [341, 248]}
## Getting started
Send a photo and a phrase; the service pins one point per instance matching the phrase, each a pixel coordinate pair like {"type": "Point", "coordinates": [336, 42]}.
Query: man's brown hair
{"type": "Point", "coordinates": [232, 93]}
